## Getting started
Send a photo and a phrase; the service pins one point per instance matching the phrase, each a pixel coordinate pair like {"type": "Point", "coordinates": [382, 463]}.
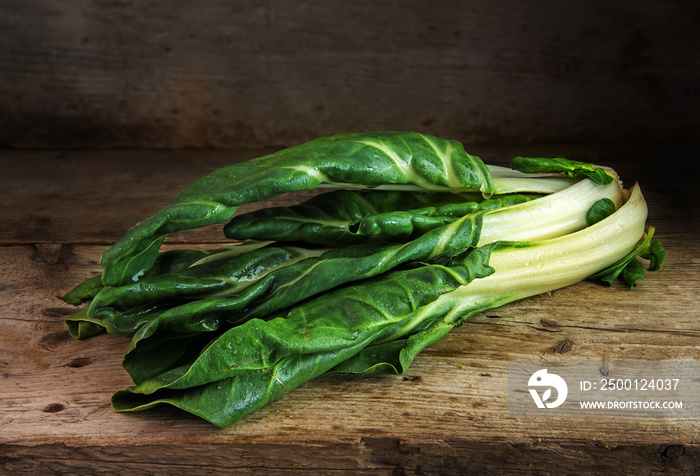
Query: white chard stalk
{"type": "Point", "coordinates": [553, 215]}
{"type": "Point", "coordinates": [527, 268]}
{"type": "Point", "coordinates": [531, 268]}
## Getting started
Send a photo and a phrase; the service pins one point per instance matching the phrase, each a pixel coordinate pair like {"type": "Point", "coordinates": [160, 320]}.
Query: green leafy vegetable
{"type": "Point", "coordinates": [166, 308]}
{"type": "Point", "coordinates": [84, 291]}
{"type": "Point", "coordinates": [630, 269]}
{"type": "Point", "coordinates": [351, 280]}
{"type": "Point", "coordinates": [654, 252]}
{"type": "Point", "coordinates": [368, 160]}
{"type": "Point", "coordinates": [572, 168]}
{"type": "Point", "coordinates": [603, 208]}
{"type": "Point", "coordinates": [378, 324]}
{"type": "Point", "coordinates": [349, 216]}
{"type": "Point", "coordinates": [265, 358]}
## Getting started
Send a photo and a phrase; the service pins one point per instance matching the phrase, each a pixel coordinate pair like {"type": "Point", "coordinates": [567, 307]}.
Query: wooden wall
{"type": "Point", "coordinates": [243, 73]}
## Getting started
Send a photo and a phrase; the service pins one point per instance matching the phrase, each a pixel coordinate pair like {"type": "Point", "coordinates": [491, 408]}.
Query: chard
{"type": "Point", "coordinates": [165, 313]}
{"type": "Point", "coordinates": [352, 280]}
{"type": "Point", "coordinates": [382, 323]}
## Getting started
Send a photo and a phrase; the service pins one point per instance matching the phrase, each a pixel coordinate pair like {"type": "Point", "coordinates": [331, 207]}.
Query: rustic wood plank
{"type": "Point", "coordinates": [254, 73]}
{"type": "Point", "coordinates": [447, 415]}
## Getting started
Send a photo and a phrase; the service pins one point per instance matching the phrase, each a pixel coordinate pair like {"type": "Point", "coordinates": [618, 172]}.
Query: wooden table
{"type": "Point", "coordinates": [447, 415]}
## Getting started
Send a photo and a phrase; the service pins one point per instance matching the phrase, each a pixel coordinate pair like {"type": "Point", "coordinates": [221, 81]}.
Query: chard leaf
{"type": "Point", "coordinates": [257, 362]}
{"type": "Point", "coordinates": [211, 278]}
{"type": "Point", "coordinates": [395, 356]}
{"type": "Point", "coordinates": [167, 262]}
{"type": "Point", "coordinates": [656, 255]}
{"type": "Point", "coordinates": [332, 217]}
{"type": "Point", "coordinates": [265, 274]}
{"type": "Point", "coordinates": [632, 273]}
{"type": "Point", "coordinates": [350, 160]}
{"type": "Point", "coordinates": [84, 291]}
{"type": "Point", "coordinates": [285, 287]}
{"type": "Point", "coordinates": [346, 217]}
{"type": "Point", "coordinates": [84, 324]}
{"type": "Point", "coordinates": [631, 270]}
{"type": "Point", "coordinates": [572, 168]}
{"type": "Point", "coordinates": [81, 326]}
{"type": "Point", "coordinates": [601, 209]}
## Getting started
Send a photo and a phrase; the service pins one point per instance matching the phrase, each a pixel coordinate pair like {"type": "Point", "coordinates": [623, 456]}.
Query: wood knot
{"type": "Point", "coordinates": [411, 378]}
{"type": "Point", "coordinates": [54, 408]}
{"type": "Point", "coordinates": [563, 346]}
{"type": "Point", "coordinates": [78, 362]}
{"type": "Point", "coordinates": [673, 451]}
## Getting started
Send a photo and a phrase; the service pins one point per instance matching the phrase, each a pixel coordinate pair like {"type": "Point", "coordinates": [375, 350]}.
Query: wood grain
{"type": "Point", "coordinates": [266, 73]}
{"type": "Point", "coordinates": [447, 415]}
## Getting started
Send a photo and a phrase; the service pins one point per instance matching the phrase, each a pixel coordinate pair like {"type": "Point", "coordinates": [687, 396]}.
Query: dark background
{"type": "Point", "coordinates": [173, 74]}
